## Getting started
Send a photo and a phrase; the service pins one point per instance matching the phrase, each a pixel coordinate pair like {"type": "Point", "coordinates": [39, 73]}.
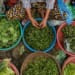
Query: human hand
{"type": "Point", "coordinates": [43, 23]}
{"type": "Point", "coordinates": [35, 23]}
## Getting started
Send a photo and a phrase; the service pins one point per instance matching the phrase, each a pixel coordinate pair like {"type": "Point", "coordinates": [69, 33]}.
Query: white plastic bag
{"type": "Point", "coordinates": [67, 44]}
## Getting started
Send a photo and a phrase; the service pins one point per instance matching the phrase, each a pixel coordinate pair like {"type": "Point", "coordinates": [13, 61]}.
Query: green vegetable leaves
{"type": "Point", "coordinates": [69, 69]}
{"type": "Point", "coordinates": [5, 69]}
{"type": "Point", "coordinates": [69, 31]}
{"type": "Point", "coordinates": [69, 35]}
{"type": "Point", "coordinates": [9, 32]}
{"type": "Point", "coordinates": [41, 66]}
{"type": "Point", "coordinates": [39, 39]}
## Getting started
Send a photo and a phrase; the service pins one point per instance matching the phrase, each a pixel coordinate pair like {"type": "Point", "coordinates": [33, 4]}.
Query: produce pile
{"type": "Point", "coordinates": [69, 31]}
{"type": "Point", "coordinates": [69, 35]}
{"type": "Point", "coordinates": [69, 69]}
{"type": "Point", "coordinates": [39, 39]}
{"type": "Point", "coordinates": [5, 69]}
{"type": "Point", "coordinates": [16, 12]}
{"type": "Point", "coordinates": [9, 33]}
{"type": "Point", "coordinates": [41, 66]}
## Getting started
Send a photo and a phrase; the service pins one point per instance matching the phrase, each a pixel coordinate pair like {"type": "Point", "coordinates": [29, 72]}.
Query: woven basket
{"type": "Point", "coordinates": [33, 56]}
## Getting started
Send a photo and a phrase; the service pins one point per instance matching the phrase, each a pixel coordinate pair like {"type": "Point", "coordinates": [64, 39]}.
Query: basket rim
{"type": "Point", "coordinates": [34, 50]}
{"type": "Point", "coordinates": [58, 41]}
{"type": "Point", "coordinates": [30, 57]}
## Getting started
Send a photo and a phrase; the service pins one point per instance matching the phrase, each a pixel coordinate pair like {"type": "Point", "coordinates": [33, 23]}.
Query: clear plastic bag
{"type": "Point", "coordinates": [68, 44]}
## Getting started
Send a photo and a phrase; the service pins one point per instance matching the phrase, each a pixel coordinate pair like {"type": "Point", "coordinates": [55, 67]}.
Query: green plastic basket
{"type": "Point", "coordinates": [17, 42]}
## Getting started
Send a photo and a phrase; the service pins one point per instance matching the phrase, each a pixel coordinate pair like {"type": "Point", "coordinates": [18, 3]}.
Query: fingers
{"type": "Point", "coordinates": [42, 25]}
{"type": "Point", "coordinates": [36, 24]}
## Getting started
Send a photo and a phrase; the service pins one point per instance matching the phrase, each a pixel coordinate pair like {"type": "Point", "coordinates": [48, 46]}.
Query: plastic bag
{"type": "Point", "coordinates": [63, 8]}
{"type": "Point", "coordinates": [69, 44]}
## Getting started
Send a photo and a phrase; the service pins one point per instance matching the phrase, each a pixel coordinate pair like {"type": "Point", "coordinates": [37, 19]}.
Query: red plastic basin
{"type": "Point", "coordinates": [60, 38]}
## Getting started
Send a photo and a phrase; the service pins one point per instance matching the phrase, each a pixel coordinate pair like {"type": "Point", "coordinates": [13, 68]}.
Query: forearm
{"type": "Point", "coordinates": [33, 21]}
{"type": "Point", "coordinates": [49, 6]}
{"type": "Point", "coordinates": [47, 14]}
{"type": "Point", "coordinates": [28, 10]}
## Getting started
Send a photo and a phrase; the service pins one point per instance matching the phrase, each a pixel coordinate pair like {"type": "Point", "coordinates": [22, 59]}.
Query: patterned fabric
{"type": "Point", "coordinates": [38, 8]}
{"type": "Point", "coordinates": [49, 3]}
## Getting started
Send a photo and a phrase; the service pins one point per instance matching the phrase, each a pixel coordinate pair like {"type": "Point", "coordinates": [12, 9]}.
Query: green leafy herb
{"type": "Point", "coordinates": [69, 69]}
{"type": "Point", "coordinates": [69, 34]}
{"type": "Point", "coordinates": [41, 66]}
{"type": "Point", "coordinates": [39, 39]}
{"type": "Point", "coordinates": [5, 69]}
{"type": "Point", "coordinates": [9, 33]}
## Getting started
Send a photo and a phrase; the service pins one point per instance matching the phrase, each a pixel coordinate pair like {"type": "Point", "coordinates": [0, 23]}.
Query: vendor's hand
{"type": "Point", "coordinates": [43, 23]}
{"type": "Point", "coordinates": [35, 23]}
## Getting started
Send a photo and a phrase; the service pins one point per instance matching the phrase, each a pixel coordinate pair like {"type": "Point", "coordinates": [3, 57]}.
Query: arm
{"type": "Point", "coordinates": [44, 21]}
{"type": "Point", "coordinates": [27, 6]}
{"type": "Point", "coordinates": [47, 14]}
{"type": "Point", "coordinates": [49, 6]}
{"type": "Point", "coordinates": [34, 22]}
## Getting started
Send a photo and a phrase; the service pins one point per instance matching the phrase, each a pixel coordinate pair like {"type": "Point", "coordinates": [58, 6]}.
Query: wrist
{"type": "Point", "coordinates": [31, 18]}
{"type": "Point", "coordinates": [45, 19]}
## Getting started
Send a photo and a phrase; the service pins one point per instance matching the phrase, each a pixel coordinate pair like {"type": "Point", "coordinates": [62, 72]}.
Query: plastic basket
{"type": "Point", "coordinates": [34, 50]}
{"type": "Point", "coordinates": [60, 39]}
{"type": "Point", "coordinates": [17, 42]}
{"type": "Point", "coordinates": [32, 56]}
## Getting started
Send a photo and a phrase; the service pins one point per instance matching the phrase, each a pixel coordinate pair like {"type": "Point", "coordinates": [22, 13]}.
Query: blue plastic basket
{"type": "Point", "coordinates": [34, 50]}
{"type": "Point", "coordinates": [17, 42]}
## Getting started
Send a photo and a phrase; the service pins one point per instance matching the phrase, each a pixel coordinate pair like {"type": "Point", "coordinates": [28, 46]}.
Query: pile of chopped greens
{"type": "Point", "coordinates": [69, 31]}
{"type": "Point", "coordinates": [69, 35]}
{"type": "Point", "coordinates": [39, 39]}
{"type": "Point", "coordinates": [5, 69]}
{"type": "Point", "coordinates": [9, 33]}
{"type": "Point", "coordinates": [41, 66]}
{"type": "Point", "coordinates": [69, 69]}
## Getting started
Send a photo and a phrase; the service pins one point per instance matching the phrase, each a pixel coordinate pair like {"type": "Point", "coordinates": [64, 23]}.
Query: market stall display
{"type": "Point", "coordinates": [50, 50]}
